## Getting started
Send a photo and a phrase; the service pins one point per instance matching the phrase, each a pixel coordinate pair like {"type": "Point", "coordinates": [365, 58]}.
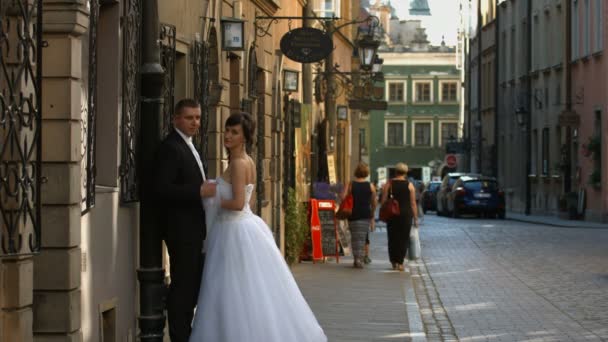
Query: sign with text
{"type": "Point", "coordinates": [331, 167]}
{"type": "Point", "coordinates": [324, 233]}
{"type": "Point", "coordinates": [306, 45]}
{"type": "Point", "coordinates": [367, 105]}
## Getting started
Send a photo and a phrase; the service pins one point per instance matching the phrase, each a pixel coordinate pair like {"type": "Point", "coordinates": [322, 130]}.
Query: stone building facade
{"type": "Point", "coordinates": [79, 281]}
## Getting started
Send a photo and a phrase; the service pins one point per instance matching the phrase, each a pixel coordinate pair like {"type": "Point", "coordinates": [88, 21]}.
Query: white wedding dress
{"type": "Point", "coordinates": [248, 293]}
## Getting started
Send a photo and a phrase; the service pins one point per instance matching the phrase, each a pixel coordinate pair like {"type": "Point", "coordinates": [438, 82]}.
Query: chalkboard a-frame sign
{"type": "Point", "coordinates": [306, 45]}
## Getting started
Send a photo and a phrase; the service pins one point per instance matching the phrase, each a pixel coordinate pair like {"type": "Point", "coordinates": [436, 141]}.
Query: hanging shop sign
{"type": "Point", "coordinates": [306, 45]}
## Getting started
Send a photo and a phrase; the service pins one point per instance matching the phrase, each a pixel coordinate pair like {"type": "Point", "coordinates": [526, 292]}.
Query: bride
{"type": "Point", "coordinates": [247, 291]}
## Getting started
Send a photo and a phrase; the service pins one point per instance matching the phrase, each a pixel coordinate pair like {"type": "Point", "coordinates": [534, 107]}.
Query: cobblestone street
{"type": "Point", "coordinates": [478, 280]}
{"type": "Point", "coordinates": [511, 281]}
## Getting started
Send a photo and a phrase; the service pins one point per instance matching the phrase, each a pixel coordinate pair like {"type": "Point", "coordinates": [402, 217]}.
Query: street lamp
{"type": "Point", "coordinates": [367, 48]}
{"type": "Point", "coordinates": [377, 67]}
{"type": "Point", "coordinates": [520, 113]}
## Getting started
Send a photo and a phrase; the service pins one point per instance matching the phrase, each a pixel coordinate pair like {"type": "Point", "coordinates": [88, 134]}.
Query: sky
{"type": "Point", "coordinates": [443, 21]}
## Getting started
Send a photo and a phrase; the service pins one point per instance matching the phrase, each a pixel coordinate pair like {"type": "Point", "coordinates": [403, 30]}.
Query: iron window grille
{"type": "Point", "coordinates": [89, 113]}
{"type": "Point", "coordinates": [20, 126]}
{"type": "Point", "coordinates": [167, 60]}
{"type": "Point", "coordinates": [200, 68]}
{"type": "Point", "coordinates": [130, 122]}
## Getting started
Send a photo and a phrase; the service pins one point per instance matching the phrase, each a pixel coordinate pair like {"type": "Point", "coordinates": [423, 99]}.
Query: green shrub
{"type": "Point", "coordinates": [296, 227]}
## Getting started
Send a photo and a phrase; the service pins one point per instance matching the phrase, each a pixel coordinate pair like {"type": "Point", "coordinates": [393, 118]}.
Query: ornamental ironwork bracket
{"type": "Point", "coordinates": [358, 85]}
{"type": "Point", "coordinates": [263, 24]}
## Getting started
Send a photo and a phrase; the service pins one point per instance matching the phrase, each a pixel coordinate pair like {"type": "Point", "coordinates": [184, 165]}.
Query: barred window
{"type": "Point", "coordinates": [423, 133]}
{"type": "Point", "coordinates": [449, 92]}
{"type": "Point", "coordinates": [395, 134]}
{"type": "Point", "coordinates": [395, 92]}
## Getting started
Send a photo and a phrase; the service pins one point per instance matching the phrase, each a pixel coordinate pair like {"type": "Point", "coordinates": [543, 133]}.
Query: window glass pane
{"type": "Point", "coordinates": [448, 92]}
{"type": "Point", "coordinates": [448, 130]}
{"type": "Point", "coordinates": [423, 92]}
{"type": "Point", "coordinates": [479, 185]}
{"type": "Point", "coordinates": [395, 92]}
{"type": "Point", "coordinates": [395, 134]}
{"type": "Point", "coordinates": [423, 134]}
{"type": "Point", "coordinates": [545, 151]}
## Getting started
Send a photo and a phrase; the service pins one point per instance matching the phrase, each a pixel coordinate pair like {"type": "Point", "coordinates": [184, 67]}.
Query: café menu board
{"type": "Point", "coordinates": [328, 232]}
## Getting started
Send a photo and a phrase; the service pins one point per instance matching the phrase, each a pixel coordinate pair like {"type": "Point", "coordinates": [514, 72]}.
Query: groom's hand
{"type": "Point", "coordinates": [207, 189]}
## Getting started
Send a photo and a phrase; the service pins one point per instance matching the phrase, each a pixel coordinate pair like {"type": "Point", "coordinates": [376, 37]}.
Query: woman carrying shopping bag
{"type": "Point", "coordinates": [361, 219]}
{"type": "Point", "coordinates": [402, 191]}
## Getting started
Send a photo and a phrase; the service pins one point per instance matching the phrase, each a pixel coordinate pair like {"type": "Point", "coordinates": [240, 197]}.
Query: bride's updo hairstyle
{"type": "Point", "coordinates": [243, 119]}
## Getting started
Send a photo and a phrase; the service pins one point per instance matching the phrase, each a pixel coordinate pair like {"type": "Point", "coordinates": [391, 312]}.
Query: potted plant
{"type": "Point", "coordinates": [296, 228]}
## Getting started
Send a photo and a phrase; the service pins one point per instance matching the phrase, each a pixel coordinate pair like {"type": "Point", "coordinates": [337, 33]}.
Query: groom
{"type": "Point", "coordinates": [179, 184]}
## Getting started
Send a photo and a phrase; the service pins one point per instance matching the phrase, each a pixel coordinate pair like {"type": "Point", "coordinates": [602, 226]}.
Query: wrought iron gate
{"type": "Point", "coordinates": [20, 126]}
{"type": "Point", "coordinates": [200, 67]}
{"type": "Point", "coordinates": [129, 187]}
{"type": "Point", "coordinates": [89, 113]}
{"type": "Point", "coordinates": [167, 60]}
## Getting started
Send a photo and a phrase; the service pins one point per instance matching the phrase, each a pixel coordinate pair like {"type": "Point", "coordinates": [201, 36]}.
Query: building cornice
{"type": "Point", "coordinates": [269, 7]}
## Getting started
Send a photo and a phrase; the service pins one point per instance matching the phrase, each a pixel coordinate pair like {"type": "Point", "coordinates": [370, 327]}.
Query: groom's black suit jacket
{"type": "Point", "coordinates": [177, 184]}
{"type": "Point", "coordinates": [176, 188]}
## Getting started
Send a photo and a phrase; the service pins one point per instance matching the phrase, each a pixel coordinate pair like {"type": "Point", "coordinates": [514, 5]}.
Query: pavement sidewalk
{"type": "Point", "coordinates": [555, 221]}
{"type": "Point", "coordinates": [355, 305]}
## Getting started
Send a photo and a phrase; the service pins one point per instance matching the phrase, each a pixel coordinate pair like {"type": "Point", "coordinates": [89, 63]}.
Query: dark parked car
{"type": "Point", "coordinates": [476, 195]}
{"type": "Point", "coordinates": [429, 196]}
{"type": "Point", "coordinates": [444, 189]}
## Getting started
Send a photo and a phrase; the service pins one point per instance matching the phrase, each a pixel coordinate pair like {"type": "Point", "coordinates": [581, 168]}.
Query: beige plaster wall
{"type": "Point", "coordinates": [109, 263]}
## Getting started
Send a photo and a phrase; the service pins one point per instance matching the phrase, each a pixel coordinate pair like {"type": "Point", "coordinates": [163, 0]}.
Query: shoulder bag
{"type": "Point", "coordinates": [390, 208]}
{"type": "Point", "coordinates": [346, 207]}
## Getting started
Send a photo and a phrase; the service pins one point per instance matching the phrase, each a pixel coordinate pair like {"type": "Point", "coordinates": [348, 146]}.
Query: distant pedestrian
{"type": "Point", "coordinates": [398, 228]}
{"type": "Point", "coordinates": [361, 221]}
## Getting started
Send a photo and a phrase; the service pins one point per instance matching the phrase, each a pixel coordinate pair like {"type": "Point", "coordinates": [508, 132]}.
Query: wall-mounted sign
{"type": "Point", "coordinates": [306, 45]}
{"type": "Point", "coordinates": [342, 113]}
{"type": "Point", "coordinates": [367, 105]}
{"type": "Point", "coordinates": [233, 34]}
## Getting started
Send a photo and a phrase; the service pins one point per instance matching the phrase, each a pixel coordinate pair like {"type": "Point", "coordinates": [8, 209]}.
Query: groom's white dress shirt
{"type": "Point", "coordinates": [188, 141]}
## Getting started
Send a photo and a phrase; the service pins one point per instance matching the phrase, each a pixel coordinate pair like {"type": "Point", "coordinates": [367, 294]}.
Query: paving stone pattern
{"type": "Point", "coordinates": [355, 305]}
{"type": "Point", "coordinates": [510, 281]}
{"type": "Point", "coordinates": [437, 325]}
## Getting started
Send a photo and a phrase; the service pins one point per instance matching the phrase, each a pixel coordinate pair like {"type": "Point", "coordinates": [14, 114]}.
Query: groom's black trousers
{"type": "Point", "coordinates": [186, 262]}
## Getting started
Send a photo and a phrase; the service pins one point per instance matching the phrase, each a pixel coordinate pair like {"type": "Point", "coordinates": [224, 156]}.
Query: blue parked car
{"type": "Point", "coordinates": [476, 195]}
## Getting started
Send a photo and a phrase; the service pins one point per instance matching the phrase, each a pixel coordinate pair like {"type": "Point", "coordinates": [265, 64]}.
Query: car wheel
{"type": "Point", "coordinates": [424, 210]}
{"type": "Point", "coordinates": [501, 215]}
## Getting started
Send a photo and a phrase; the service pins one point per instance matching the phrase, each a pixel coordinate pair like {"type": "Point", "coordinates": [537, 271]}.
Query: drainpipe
{"type": "Point", "coordinates": [496, 85]}
{"type": "Point", "coordinates": [150, 273]}
{"type": "Point", "coordinates": [469, 114]}
{"type": "Point", "coordinates": [479, 87]}
{"type": "Point", "coordinates": [568, 71]}
{"type": "Point", "coordinates": [528, 129]}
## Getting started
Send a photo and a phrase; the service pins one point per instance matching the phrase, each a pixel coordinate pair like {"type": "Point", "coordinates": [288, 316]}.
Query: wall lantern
{"type": "Point", "coordinates": [519, 115]}
{"type": "Point", "coordinates": [342, 113]}
{"type": "Point", "coordinates": [290, 80]}
{"type": "Point", "coordinates": [367, 51]}
{"type": "Point", "coordinates": [377, 67]}
{"type": "Point", "coordinates": [233, 34]}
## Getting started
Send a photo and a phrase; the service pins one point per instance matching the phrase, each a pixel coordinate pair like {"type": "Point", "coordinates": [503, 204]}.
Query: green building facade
{"type": "Point", "coordinates": [423, 91]}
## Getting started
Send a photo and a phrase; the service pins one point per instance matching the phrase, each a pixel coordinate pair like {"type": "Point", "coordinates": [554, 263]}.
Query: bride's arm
{"type": "Point", "coordinates": [238, 169]}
